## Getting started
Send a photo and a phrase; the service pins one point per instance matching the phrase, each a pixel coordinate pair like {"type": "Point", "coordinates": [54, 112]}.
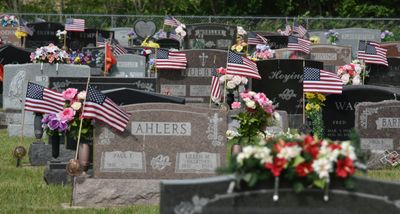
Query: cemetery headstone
{"type": "Point", "coordinates": [44, 33]}
{"type": "Point", "coordinates": [7, 34]}
{"type": "Point", "coordinates": [331, 55]}
{"type": "Point", "coordinates": [121, 35]}
{"type": "Point", "coordinates": [126, 96]}
{"type": "Point", "coordinates": [78, 40]}
{"type": "Point", "coordinates": [193, 83]}
{"type": "Point", "coordinates": [168, 43]}
{"type": "Point", "coordinates": [129, 65]}
{"type": "Point", "coordinates": [210, 36]}
{"type": "Point", "coordinates": [385, 75]}
{"type": "Point", "coordinates": [10, 54]}
{"type": "Point", "coordinates": [16, 78]}
{"type": "Point", "coordinates": [378, 126]}
{"type": "Point", "coordinates": [284, 53]}
{"type": "Point", "coordinates": [103, 83]}
{"type": "Point", "coordinates": [96, 68]}
{"type": "Point", "coordinates": [351, 36]}
{"type": "Point", "coordinates": [144, 28]}
{"type": "Point", "coordinates": [162, 141]}
{"type": "Point", "coordinates": [282, 82]}
{"type": "Point", "coordinates": [277, 41]}
{"type": "Point", "coordinates": [393, 48]}
{"type": "Point", "coordinates": [338, 112]}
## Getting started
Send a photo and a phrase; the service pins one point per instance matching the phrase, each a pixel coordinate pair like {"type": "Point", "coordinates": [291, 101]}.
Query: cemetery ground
{"type": "Point", "coordinates": [23, 190]}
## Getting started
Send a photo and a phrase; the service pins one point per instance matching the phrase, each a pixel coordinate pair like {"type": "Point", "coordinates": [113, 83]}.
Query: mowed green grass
{"type": "Point", "coordinates": [23, 190]}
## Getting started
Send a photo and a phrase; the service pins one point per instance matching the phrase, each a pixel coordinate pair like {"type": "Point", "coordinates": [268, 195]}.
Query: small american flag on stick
{"type": "Point", "coordinates": [320, 81]}
{"type": "Point", "coordinates": [238, 65]}
{"type": "Point", "coordinates": [170, 59]}
{"type": "Point", "coordinates": [43, 100]}
{"type": "Point", "coordinates": [298, 44]}
{"type": "Point", "coordinates": [75, 25]}
{"type": "Point", "coordinates": [372, 52]}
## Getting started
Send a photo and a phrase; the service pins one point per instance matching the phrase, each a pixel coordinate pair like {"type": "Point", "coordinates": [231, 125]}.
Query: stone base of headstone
{"type": "Point", "coordinates": [94, 192]}
{"type": "Point", "coordinates": [56, 173]}
{"type": "Point", "coordinates": [40, 153]}
{"type": "Point", "coordinates": [3, 122]}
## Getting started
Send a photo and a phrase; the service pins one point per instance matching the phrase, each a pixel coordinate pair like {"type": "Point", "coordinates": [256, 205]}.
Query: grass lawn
{"type": "Point", "coordinates": [22, 190]}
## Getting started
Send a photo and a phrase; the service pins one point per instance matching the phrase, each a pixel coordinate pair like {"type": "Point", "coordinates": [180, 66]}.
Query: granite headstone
{"type": "Point", "coordinates": [121, 35]}
{"type": "Point", "coordinates": [277, 41]}
{"type": "Point", "coordinates": [162, 141]}
{"type": "Point", "coordinates": [393, 48]}
{"type": "Point", "coordinates": [7, 35]}
{"type": "Point", "coordinates": [77, 40]}
{"type": "Point", "coordinates": [210, 36]}
{"type": "Point", "coordinates": [193, 83]}
{"type": "Point", "coordinates": [144, 28]}
{"type": "Point", "coordinates": [129, 65]}
{"type": "Point", "coordinates": [10, 54]}
{"type": "Point", "coordinates": [96, 65]}
{"type": "Point", "coordinates": [331, 55]}
{"type": "Point", "coordinates": [385, 75]}
{"type": "Point", "coordinates": [44, 33]}
{"type": "Point", "coordinates": [338, 112]}
{"type": "Point", "coordinates": [285, 53]}
{"type": "Point", "coordinates": [169, 43]}
{"type": "Point", "coordinates": [378, 126]}
{"type": "Point", "coordinates": [351, 37]}
{"type": "Point", "coordinates": [126, 96]}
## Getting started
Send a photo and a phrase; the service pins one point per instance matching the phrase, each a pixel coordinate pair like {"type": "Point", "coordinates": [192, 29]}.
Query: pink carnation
{"type": "Point", "coordinates": [235, 105]}
{"type": "Point", "coordinates": [261, 99]}
{"type": "Point", "coordinates": [67, 114]}
{"type": "Point", "coordinates": [70, 93]}
{"type": "Point", "coordinates": [245, 94]}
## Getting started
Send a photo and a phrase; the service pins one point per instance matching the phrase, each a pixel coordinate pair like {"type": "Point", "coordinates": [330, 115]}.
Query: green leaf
{"type": "Point", "coordinates": [349, 183]}
{"type": "Point", "coordinates": [320, 183]}
{"type": "Point", "coordinates": [298, 187]}
{"type": "Point", "coordinates": [298, 160]}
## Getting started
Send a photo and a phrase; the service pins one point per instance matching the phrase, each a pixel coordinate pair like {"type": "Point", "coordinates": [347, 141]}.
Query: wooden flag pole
{"type": "Point", "coordinates": [97, 37]}
{"type": "Point", "coordinates": [209, 105]}
{"type": "Point", "coordinates": [155, 64]}
{"type": "Point", "coordinates": [304, 100]}
{"type": "Point", "coordinates": [105, 58]}
{"type": "Point", "coordinates": [81, 119]}
{"type": "Point", "coordinates": [227, 57]}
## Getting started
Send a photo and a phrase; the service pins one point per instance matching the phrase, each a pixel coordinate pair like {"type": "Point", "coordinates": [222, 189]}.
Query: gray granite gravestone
{"type": "Point", "coordinates": [351, 36]}
{"type": "Point", "coordinates": [144, 28]}
{"type": "Point", "coordinates": [385, 75]}
{"type": "Point", "coordinates": [16, 78]}
{"type": "Point", "coordinates": [393, 48]}
{"type": "Point", "coordinates": [210, 36]}
{"type": "Point", "coordinates": [378, 125]}
{"type": "Point", "coordinates": [331, 55]}
{"type": "Point", "coordinates": [193, 83]}
{"type": "Point", "coordinates": [285, 53]}
{"type": "Point", "coordinates": [121, 34]}
{"type": "Point", "coordinates": [129, 65]}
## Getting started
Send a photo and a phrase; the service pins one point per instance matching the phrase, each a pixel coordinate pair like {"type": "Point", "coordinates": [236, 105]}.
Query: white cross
{"type": "Point", "coordinates": [203, 58]}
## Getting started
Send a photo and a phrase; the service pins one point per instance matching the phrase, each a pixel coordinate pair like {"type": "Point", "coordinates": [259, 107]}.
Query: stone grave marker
{"type": "Point", "coordinates": [169, 43]}
{"type": "Point", "coordinates": [210, 36]}
{"type": "Point", "coordinates": [10, 54]}
{"type": "Point", "coordinates": [378, 126]}
{"type": "Point", "coordinates": [277, 41]}
{"type": "Point", "coordinates": [393, 48]}
{"type": "Point", "coordinates": [144, 28]}
{"type": "Point", "coordinates": [193, 83]}
{"type": "Point", "coordinates": [338, 112]}
{"type": "Point", "coordinates": [44, 33]}
{"type": "Point", "coordinates": [103, 83]}
{"type": "Point", "coordinates": [282, 82]}
{"type": "Point", "coordinates": [351, 36]}
{"type": "Point", "coordinates": [95, 68]}
{"type": "Point", "coordinates": [7, 34]}
{"type": "Point", "coordinates": [78, 40]}
{"type": "Point", "coordinates": [331, 55]}
{"type": "Point", "coordinates": [284, 53]}
{"type": "Point", "coordinates": [126, 96]}
{"type": "Point", "coordinates": [16, 78]}
{"type": "Point", "coordinates": [129, 65]}
{"type": "Point", "coordinates": [121, 34]}
{"type": "Point", "coordinates": [162, 141]}
{"type": "Point", "coordinates": [385, 75]}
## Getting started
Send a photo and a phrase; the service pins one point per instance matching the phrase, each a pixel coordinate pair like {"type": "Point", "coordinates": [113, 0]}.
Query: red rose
{"type": "Point", "coordinates": [304, 169]}
{"type": "Point", "coordinates": [308, 140]}
{"type": "Point", "coordinates": [334, 146]}
{"type": "Point", "coordinates": [344, 167]}
{"type": "Point", "coordinates": [276, 167]}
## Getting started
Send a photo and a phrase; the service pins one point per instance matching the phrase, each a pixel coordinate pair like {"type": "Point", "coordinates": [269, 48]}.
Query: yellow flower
{"type": "Point", "coordinates": [239, 48]}
{"type": "Point", "coordinates": [77, 60]}
{"type": "Point", "coordinates": [321, 97]}
{"type": "Point", "coordinates": [315, 40]}
{"type": "Point", "coordinates": [309, 106]}
{"type": "Point", "coordinates": [233, 47]}
{"type": "Point", "coordinates": [310, 95]}
{"type": "Point", "coordinates": [20, 34]}
{"type": "Point", "coordinates": [317, 107]}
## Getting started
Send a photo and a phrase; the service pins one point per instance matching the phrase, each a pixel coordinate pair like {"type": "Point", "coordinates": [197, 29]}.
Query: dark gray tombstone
{"type": "Point", "coordinates": [209, 195]}
{"type": "Point", "coordinates": [44, 33]}
{"type": "Point", "coordinates": [393, 48]}
{"type": "Point", "coordinates": [277, 41]}
{"type": "Point", "coordinates": [193, 83]}
{"type": "Point", "coordinates": [102, 83]}
{"type": "Point", "coordinates": [385, 75]}
{"type": "Point", "coordinates": [144, 28]}
{"type": "Point", "coordinates": [210, 36]}
{"type": "Point", "coordinates": [331, 55]}
{"type": "Point", "coordinates": [129, 65]}
{"type": "Point", "coordinates": [169, 43]}
{"type": "Point", "coordinates": [127, 96]}
{"type": "Point", "coordinates": [78, 40]}
{"type": "Point", "coordinates": [9, 54]}
{"type": "Point", "coordinates": [378, 126]}
{"type": "Point", "coordinates": [282, 82]}
{"type": "Point", "coordinates": [338, 112]}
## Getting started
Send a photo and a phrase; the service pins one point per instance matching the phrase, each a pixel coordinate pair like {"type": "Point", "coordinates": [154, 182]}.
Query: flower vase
{"type": "Point", "coordinates": [70, 142]}
{"type": "Point", "coordinates": [54, 140]}
{"type": "Point", "coordinates": [37, 127]}
{"type": "Point", "coordinates": [230, 98]}
{"type": "Point", "coordinates": [236, 149]}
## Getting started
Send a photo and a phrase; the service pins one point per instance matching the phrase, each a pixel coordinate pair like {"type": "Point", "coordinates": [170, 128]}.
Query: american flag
{"type": "Point", "coordinates": [171, 21]}
{"type": "Point", "coordinates": [372, 52]}
{"type": "Point", "coordinates": [43, 100]}
{"type": "Point", "coordinates": [119, 50]}
{"type": "Point", "coordinates": [102, 108]}
{"type": "Point", "coordinates": [215, 86]}
{"type": "Point", "coordinates": [170, 59]}
{"type": "Point", "coordinates": [255, 39]}
{"type": "Point", "coordinates": [299, 29]}
{"type": "Point", "coordinates": [238, 65]}
{"type": "Point", "coordinates": [320, 81]}
{"type": "Point", "coordinates": [298, 44]}
{"type": "Point", "coordinates": [75, 25]}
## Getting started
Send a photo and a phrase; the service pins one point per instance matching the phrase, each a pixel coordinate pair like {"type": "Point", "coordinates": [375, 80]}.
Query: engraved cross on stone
{"type": "Point", "coordinates": [203, 58]}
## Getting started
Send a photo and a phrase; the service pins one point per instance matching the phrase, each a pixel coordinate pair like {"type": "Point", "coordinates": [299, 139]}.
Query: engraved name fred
{"type": "Point", "coordinates": [162, 128]}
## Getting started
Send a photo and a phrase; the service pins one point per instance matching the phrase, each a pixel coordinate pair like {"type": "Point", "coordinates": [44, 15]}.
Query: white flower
{"type": "Point", "coordinates": [222, 79]}
{"type": "Point", "coordinates": [348, 150]}
{"type": "Point", "coordinates": [263, 154]}
{"type": "Point", "coordinates": [358, 68]}
{"type": "Point", "coordinates": [237, 80]}
{"type": "Point", "coordinates": [289, 152]}
{"type": "Point", "coordinates": [231, 134]}
{"type": "Point", "coordinates": [231, 85]}
{"type": "Point", "coordinates": [76, 106]}
{"type": "Point", "coordinates": [251, 93]}
{"type": "Point", "coordinates": [345, 78]}
{"type": "Point", "coordinates": [241, 31]}
{"type": "Point", "coordinates": [276, 116]}
{"type": "Point", "coordinates": [244, 81]}
{"type": "Point", "coordinates": [340, 71]}
{"type": "Point", "coordinates": [326, 152]}
{"type": "Point", "coordinates": [322, 167]}
{"type": "Point", "coordinates": [82, 95]}
{"type": "Point", "coordinates": [356, 80]}
{"type": "Point", "coordinates": [229, 76]}
{"type": "Point", "coordinates": [251, 104]}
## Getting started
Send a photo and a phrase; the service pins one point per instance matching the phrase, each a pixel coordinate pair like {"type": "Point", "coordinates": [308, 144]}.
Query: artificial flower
{"type": "Point", "coordinates": [69, 93]}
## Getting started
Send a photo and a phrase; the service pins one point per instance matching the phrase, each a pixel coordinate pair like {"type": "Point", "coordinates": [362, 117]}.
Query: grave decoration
{"type": "Point", "coordinates": [353, 73]}
{"type": "Point", "coordinates": [387, 36]}
{"type": "Point", "coordinates": [240, 46]}
{"type": "Point", "coordinates": [262, 52]}
{"type": "Point", "coordinates": [49, 54]}
{"type": "Point", "coordinates": [303, 161]}
{"type": "Point", "coordinates": [332, 36]}
{"type": "Point", "coordinates": [257, 113]}
{"type": "Point", "coordinates": [315, 40]}
{"type": "Point", "coordinates": [313, 111]}
{"type": "Point", "coordinates": [80, 58]}
{"type": "Point", "coordinates": [9, 21]}
{"type": "Point", "coordinates": [231, 83]}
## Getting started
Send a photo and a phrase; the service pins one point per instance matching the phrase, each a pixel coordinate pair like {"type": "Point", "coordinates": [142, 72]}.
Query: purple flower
{"type": "Point", "coordinates": [62, 126]}
{"type": "Point", "coordinates": [48, 117]}
{"type": "Point", "coordinates": [53, 124]}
